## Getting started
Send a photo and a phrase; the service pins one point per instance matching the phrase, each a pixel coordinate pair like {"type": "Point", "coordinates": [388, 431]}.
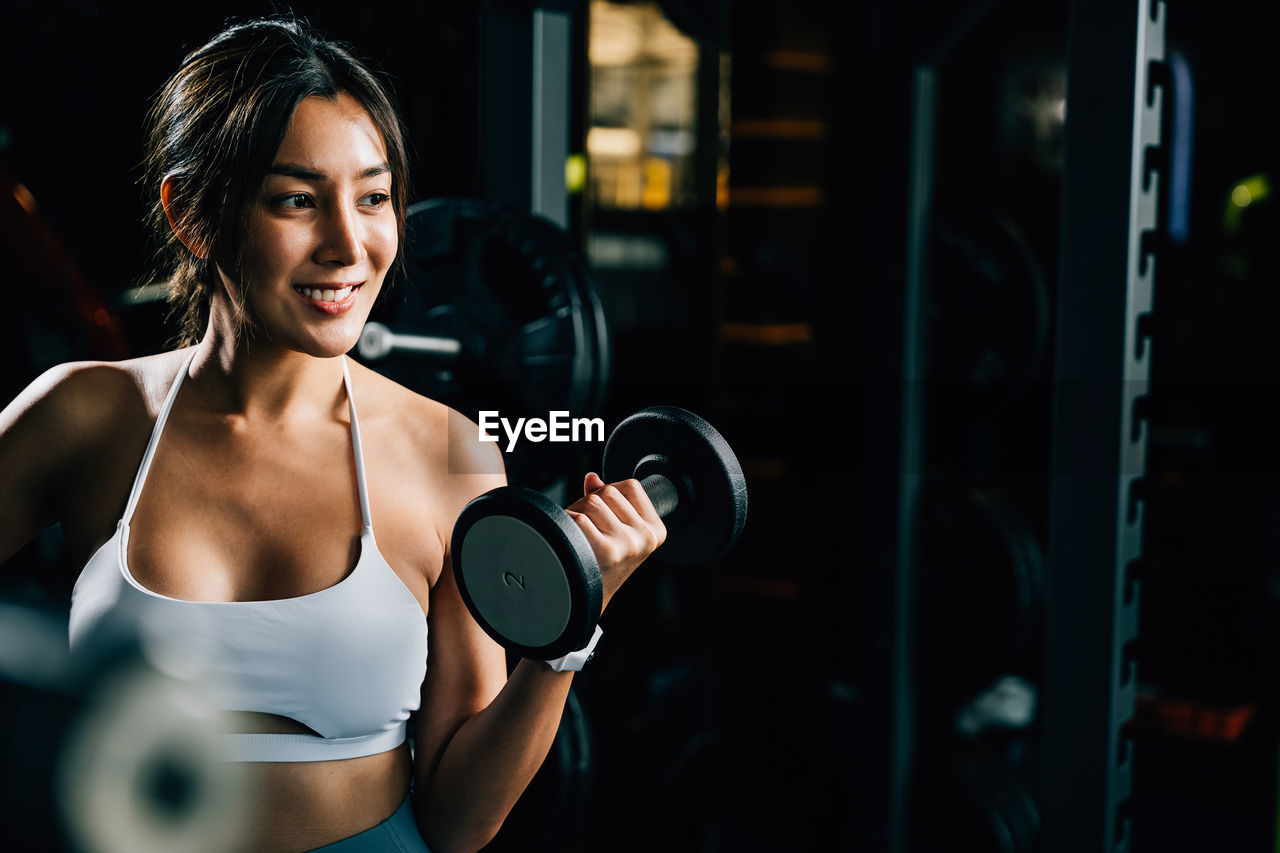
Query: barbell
{"type": "Point", "coordinates": [498, 312]}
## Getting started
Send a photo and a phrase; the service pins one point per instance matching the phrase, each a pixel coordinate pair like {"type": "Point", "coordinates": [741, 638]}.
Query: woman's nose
{"type": "Point", "coordinates": [342, 242]}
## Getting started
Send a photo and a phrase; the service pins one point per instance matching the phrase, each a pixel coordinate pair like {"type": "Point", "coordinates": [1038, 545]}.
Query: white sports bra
{"type": "Point", "coordinates": [347, 661]}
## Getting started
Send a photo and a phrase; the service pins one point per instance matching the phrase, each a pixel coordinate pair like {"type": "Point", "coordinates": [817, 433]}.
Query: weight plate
{"type": "Point", "coordinates": [598, 333]}
{"type": "Point", "coordinates": [515, 580]}
{"type": "Point", "coordinates": [990, 306]}
{"type": "Point", "coordinates": [693, 447]}
{"type": "Point", "coordinates": [526, 573]}
{"type": "Point", "coordinates": [510, 287]}
{"type": "Point", "coordinates": [981, 591]}
{"type": "Point", "coordinates": [142, 771]}
{"type": "Point", "coordinates": [976, 801]}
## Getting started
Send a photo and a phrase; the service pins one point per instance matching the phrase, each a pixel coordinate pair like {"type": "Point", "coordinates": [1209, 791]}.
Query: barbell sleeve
{"type": "Point", "coordinates": [377, 341]}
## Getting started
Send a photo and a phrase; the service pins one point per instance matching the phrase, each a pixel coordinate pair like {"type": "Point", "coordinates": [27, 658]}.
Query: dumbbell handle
{"type": "Point", "coordinates": [662, 493]}
{"type": "Point", "coordinates": [669, 490]}
{"type": "Point", "coordinates": [377, 341]}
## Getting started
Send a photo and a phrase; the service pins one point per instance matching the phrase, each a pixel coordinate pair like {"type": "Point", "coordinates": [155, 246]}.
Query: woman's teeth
{"type": "Point", "coordinates": [325, 295]}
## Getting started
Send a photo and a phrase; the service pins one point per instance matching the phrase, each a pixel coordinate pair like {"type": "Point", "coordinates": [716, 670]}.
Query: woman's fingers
{"type": "Point", "coordinates": [620, 525]}
{"type": "Point", "coordinates": [617, 507]}
{"type": "Point", "coordinates": [590, 483]}
{"type": "Point", "coordinates": [637, 501]}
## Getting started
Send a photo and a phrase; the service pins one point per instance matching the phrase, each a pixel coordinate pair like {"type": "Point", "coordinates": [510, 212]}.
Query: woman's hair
{"type": "Point", "coordinates": [214, 130]}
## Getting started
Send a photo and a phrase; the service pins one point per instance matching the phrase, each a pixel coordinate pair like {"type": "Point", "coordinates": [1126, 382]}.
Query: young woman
{"type": "Point", "coordinates": [234, 486]}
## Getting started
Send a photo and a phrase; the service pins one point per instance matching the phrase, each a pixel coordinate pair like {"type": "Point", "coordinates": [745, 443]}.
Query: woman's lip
{"type": "Point", "coordinates": [330, 308]}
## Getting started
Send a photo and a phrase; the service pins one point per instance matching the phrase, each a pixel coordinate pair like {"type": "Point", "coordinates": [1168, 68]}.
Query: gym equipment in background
{"type": "Point", "coordinates": [496, 312]}
{"type": "Point", "coordinates": [105, 751]}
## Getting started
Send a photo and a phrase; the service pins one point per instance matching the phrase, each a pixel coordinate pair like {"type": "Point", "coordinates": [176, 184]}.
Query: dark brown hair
{"type": "Point", "coordinates": [214, 129]}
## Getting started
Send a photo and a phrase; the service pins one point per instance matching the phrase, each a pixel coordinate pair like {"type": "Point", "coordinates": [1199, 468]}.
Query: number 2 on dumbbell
{"type": "Point", "coordinates": [525, 569]}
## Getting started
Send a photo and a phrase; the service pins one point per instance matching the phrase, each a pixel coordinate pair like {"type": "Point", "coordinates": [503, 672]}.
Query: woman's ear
{"type": "Point", "coordinates": [170, 200]}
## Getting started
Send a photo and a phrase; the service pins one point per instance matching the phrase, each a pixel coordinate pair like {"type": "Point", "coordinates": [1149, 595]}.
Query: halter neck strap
{"type": "Point", "coordinates": [141, 476]}
{"type": "Point", "coordinates": [357, 449]}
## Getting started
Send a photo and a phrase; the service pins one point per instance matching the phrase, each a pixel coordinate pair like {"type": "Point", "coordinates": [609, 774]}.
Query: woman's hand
{"type": "Point", "coordinates": [621, 526]}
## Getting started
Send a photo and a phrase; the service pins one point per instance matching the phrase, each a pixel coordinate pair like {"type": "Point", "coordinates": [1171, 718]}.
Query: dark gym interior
{"type": "Point", "coordinates": [982, 295]}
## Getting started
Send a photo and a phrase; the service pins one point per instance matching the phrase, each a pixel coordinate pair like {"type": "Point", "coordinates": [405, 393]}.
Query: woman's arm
{"type": "Point", "coordinates": [482, 736]}
{"type": "Point", "coordinates": [44, 433]}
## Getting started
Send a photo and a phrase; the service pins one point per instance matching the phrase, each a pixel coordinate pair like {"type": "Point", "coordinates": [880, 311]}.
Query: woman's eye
{"type": "Point", "coordinates": [295, 200]}
{"type": "Point", "coordinates": [376, 199]}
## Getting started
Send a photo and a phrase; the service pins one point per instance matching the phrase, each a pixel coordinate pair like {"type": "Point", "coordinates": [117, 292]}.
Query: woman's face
{"type": "Point", "coordinates": [322, 232]}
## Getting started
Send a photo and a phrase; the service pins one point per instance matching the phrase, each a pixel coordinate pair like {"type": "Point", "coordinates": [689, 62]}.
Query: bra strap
{"type": "Point", "coordinates": [141, 476]}
{"type": "Point", "coordinates": [357, 451]}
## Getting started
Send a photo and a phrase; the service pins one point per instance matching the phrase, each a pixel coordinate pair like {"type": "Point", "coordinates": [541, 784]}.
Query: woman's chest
{"type": "Point", "coordinates": [234, 517]}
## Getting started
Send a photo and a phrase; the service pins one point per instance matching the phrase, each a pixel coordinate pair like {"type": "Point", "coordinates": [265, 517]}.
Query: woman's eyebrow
{"type": "Point", "coordinates": [293, 170]}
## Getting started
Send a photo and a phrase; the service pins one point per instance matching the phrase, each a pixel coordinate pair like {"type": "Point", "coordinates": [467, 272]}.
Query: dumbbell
{"type": "Point", "coordinates": [524, 567]}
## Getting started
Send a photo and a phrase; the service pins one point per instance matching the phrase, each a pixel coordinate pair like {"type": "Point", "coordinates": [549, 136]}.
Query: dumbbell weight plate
{"type": "Point", "coordinates": [540, 611]}
{"type": "Point", "coordinates": [691, 446]}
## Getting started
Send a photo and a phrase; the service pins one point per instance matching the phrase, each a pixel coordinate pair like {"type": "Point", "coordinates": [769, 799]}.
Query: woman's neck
{"type": "Point", "coordinates": [246, 375]}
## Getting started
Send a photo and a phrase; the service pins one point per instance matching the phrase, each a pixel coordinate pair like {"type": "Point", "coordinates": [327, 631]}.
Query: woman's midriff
{"type": "Point", "coordinates": [298, 806]}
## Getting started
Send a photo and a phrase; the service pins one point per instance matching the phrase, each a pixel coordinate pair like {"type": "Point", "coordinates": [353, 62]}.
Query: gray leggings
{"type": "Point", "coordinates": [396, 834]}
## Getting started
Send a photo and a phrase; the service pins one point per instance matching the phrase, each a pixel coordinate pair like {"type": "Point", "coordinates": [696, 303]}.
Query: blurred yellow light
{"type": "Point", "coordinates": [622, 142]}
{"type": "Point", "coordinates": [657, 184]}
{"type": "Point", "coordinates": [629, 187]}
{"type": "Point", "coordinates": [1244, 194]}
{"type": "Point", "coordinates": [1250, 190]}
{"type": "Point", "coordinates": [575, 173]}
{"type": "Point", "coordinates": [617, 34]}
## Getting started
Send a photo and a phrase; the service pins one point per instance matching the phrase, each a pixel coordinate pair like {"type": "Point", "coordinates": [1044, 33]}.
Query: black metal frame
{"type": "Point", "coordinates": [1102, 368]}
{"type": "Point", "coordinates": [527, 122]}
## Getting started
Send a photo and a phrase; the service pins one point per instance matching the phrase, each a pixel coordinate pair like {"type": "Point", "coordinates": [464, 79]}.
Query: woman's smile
{"type": "Point", "coordinates": [329, 298]}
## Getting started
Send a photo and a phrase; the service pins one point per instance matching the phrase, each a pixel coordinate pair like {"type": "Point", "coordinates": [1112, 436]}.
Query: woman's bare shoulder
{"type": "Point", "coordinates": [86, 398]}
{"type": "Point", "coordinates": [437, 434]}
{"type": "Point", "coordinates": [64, 423]}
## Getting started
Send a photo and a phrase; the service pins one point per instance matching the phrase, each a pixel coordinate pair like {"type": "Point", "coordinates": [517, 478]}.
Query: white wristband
{"type": "Point", "coordinates": [574, 661]}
